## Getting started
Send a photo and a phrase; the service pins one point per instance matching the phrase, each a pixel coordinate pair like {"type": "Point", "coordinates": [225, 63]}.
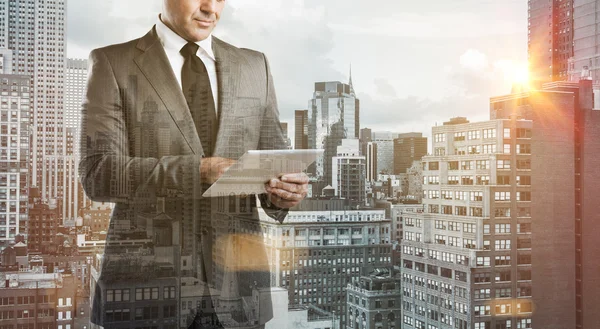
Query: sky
{"type": "Point", "coordinates": [415, 64]}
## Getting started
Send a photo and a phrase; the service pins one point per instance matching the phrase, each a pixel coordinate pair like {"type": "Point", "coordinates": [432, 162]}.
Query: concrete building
{"type": "Point", "coordinates": [408, 148]}
{"type": "Point", "coordinates": [550, 38]}
{"type": "Point", "coordinates": [333, 115]}
{"type": "Point", "coordinates": [397, 215]}
{"type": "Point", "coordinates": [15, 159]}
{"type": "Point", "coordinates": [348, 172]}
{"type": "Point", "coordinates": [564, 175]}
{"type": "Point", "coordinates": [315, 254]}
{"type": "Point", "coordinates": [374, 301]}
{"type": "Point", "coordinates": [43, 224]}
{"type": "Point", "coordinates": [35, 31]}
{"type": "Point", "coordinates": [467, 257]}
{"type": "Point", "coordinates": [33, 299]}
{"type": "Point", "coordinates": [97, 216]}
{"type": "Point", "coordinates": [301, 129]}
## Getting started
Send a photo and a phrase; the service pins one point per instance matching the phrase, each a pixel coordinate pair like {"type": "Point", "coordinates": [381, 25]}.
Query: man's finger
{"type": "Point", "coordinates": [281, 203]}
{"type": "Point", "coordinates": [286, 195]}
{"type": "Point", "coordinates": [291, 187]}
{"type": "Point", "coordinates": [298, 178]}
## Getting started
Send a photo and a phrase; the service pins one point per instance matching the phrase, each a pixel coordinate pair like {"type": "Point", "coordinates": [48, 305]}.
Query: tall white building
{"type": "Point", "coordinates": [467, 258]}
{"type": "Point", "coordinates": [348, 172]}
{"type": "Point", "coordinates": [35, 32]}
{"type": "Point", "coordinates": [14, 156]}
{"type": "Point", "coordinates": [76, 79]}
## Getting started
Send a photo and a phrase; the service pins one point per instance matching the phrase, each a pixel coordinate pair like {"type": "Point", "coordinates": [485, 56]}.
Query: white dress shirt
{"type": "Point", "coordinates": [172, 43]}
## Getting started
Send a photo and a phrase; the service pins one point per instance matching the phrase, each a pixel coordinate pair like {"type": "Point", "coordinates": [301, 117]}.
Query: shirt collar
{"type": "Point", "coordinates": [174, 42]}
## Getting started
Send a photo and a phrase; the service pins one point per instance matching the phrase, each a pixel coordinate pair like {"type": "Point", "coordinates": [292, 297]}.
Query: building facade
{"type": "Point", "coordinates": [385, 151]}
{"type": "Point", "coordinates": [348, 172]}
{"type": "Point", "coordinates": [37, 300]}
{"type": "Point", "coordinates": [332, 116]}
{"type": "Point", "coordinates": [301, 129]}
{"type": "Point", "coordinates": [550, 38]}
{"type": "Point", "coordinates": [467, 257]}
{"type": "Point", "coordinates": [374, 301]}
{"type": "Point", "coordinates": [564, 176]}
{"type": "Point", "coordinates": [15, 111]}
{"type": "Point", "coordinates": [407, 149]}
{"type": "Point", "coordinates": [35, 32]}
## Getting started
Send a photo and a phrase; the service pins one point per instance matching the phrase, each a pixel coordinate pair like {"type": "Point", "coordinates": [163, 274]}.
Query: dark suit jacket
{"type": "Point", "coordinates": [140, 150]}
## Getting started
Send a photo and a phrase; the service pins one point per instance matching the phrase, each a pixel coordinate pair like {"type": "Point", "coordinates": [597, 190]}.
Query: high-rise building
{"type": "Point", "coordinates": [586, 56]}
{"type": "Point", "coordinates": [348, 172]}
{"type": "Point", "coordinates": [408, 148]}
{"type": "Point", "coordinates": [332, 116]}
{"type": "Point", "coordinates": [385, 151]}
{"type": "Point", "coordinates": [564, 179]}
{"type": "Point", "coordinates": [35, 32]}
{"type": "Point", "coordinates": [317, 253]}
{"type": "Point", "coordinates": [550, 38]}
{"type": "Point", "coordinates": [467, 259]}
{"type": "Point", "coordinates": [14, 156]}
{"type": "Point", "coordinates": [301, 129]}
{"type": "Point", "coordinates": [76, 78]}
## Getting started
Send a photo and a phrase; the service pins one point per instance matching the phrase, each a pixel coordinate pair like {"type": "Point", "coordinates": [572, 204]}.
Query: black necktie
{"type": "Point", "coordinates": [198, 94]}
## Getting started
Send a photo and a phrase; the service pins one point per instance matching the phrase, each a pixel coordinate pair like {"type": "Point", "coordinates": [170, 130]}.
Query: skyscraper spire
{"type": "Point", "coordinates": [350, 83]}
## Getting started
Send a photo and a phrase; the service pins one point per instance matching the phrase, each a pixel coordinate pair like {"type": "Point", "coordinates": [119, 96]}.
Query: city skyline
{"type": "Point", "coordinates": [321, 44]}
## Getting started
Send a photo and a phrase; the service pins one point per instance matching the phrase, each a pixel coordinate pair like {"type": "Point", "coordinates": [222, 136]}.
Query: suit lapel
{"type": "Point", "coordinates": [228, 74]}
{"type": "Point", "coordinates": [155, 66]}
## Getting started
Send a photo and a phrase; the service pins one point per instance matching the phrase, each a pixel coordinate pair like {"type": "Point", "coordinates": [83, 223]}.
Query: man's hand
{"type": "Point", "coordinates": [211, 169]}
{"type": "Point", "coordinates": [288, 190]}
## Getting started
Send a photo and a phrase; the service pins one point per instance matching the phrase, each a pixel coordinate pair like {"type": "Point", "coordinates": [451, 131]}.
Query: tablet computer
{"type": "Point", "coordinates": [256, 167]}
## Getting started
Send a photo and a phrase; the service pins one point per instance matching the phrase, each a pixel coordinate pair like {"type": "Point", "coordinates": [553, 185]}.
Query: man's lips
{"type": "Point", "coordinates": [203, 22]}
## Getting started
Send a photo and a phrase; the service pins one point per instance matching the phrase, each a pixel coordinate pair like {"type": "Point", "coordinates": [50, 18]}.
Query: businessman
{"type": "Point", "coordinates": [164, 116]}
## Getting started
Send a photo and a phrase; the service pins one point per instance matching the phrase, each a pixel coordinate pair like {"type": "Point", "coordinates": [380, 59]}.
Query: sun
{"type": "Point", "coordinates": [516, 74]}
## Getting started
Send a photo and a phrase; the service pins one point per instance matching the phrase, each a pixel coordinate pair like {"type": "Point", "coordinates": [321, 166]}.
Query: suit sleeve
{"type": "Point", "coordinates": [271, 138]}
{"type": "Point", "coordinates": [107, 171]}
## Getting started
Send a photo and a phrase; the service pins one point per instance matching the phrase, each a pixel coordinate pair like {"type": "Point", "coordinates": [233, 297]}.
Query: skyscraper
{"type": "Point", "coordinates": [35, 32]}
{"type": "Point", "coordinates": [408, 148]}
{"type": "Point", "coordinates": [75, 82]}
{"type": "Point", "coordinates": [332, 116]}
{"type": "Point", "coordinates": [564, 190]}
{"type": "Point", "coordinates": [301, 129]}
{"type": "Point", "coordinates": [14, 156]}
{"type": "Point", "coordinates": [586, 56]}
{"type": "Point", "coordinates": [550, 38]}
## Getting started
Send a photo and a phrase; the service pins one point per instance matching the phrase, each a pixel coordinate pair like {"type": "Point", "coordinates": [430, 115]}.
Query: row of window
{"type": "Point", "coordinates": [150, 293]}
